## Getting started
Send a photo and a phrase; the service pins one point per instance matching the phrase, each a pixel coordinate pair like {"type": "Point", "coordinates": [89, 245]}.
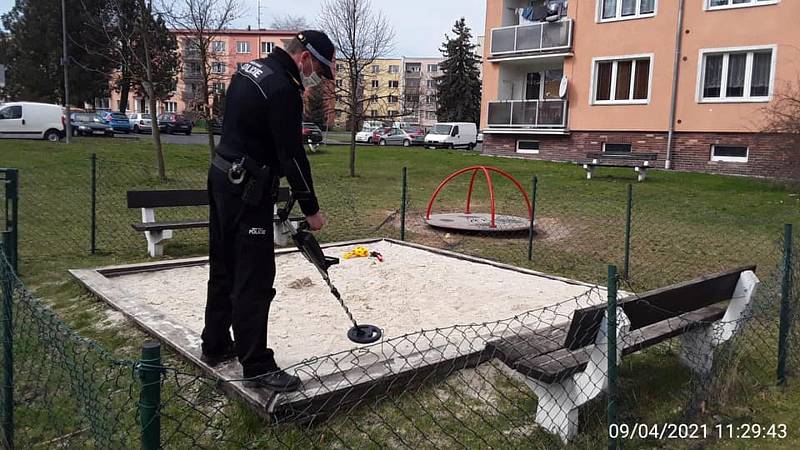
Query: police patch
{"type": "Point", "coordinates": [255, 71]}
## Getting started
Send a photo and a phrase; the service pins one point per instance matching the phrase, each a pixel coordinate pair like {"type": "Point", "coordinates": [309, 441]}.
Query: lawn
{"type": "Point", "coordinates": [683, 225]}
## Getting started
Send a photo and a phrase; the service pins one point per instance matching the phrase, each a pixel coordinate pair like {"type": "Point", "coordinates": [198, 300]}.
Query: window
{"type": "Point", "coordinates": [267, 47]}
{"type": "Point", "coordinates": [338, 97]}
{"type": "Point", "coordinates": [413, 68]}
{"type": "Point", "coordinates": [433, 67]}
{"type": "Point", "coordinates": [373, 98]}
{"type": "Point", "coordinates": [373, 113]}
{"type": "Point", "coordinates": [218, 46]}
{"type": "Point", "coordinates": [431, 98]}
{"type": "Point", "coordinates": [392, 99]}
{"type": "Point", "coordinates": [339, 83]}
{"type": "Point", "coordinates": [728, 153]}
{"type": "Point", "coordinates": [394, 69]}
{"type": "Point", "coordinates": [218, 67]}
{"type": "Point", "coordinates": [392, 113]}
{"type": "Point", "coordinates": [11, 112]}
{"type": "Point", "coordinates": [102, 103]}
{"type": "Point", "coordinates": [621, 81]}
{"type": "Point", "coordinates": [171, 107]}
{"type": "Point", "coordinates": [412, 98]}
{"type": "Point", "coordinates": [609, 10]}
{"type": "Point", "coordinates": [376, 84]}
{"type": "Point", "coordinates": [736, 76]}
{"type": "Point", "coordinates": [528, 147]}
{"type": "Point", "coordinates": [243, 47]}
{"type": "Point", "coordinates": [609, 147]}
{"type": "Point", "coordinates": [394, 84]}
{"type": "Point", "coordinates": [725, 4]}
{"type": "Point", "coordinates": [375, 68]}
{"type": "Point", "coordinates": [218, 88]}
{"type": "Point", "coordinates": [431, 83]}
{"type": "Point", "coordinates": [339, 67]}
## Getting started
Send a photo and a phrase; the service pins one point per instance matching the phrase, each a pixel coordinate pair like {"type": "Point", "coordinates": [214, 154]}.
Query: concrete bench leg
{"type": "Point", "coordinates": [589, 171]}
{"type": "Point", "coordinates": [557, 409]}
{"type": "Point", "coordinates": [697, 346]}
{"type": "Point", "coordinates": [642, 173]}
{"type": "Point", "coordinates": [155, 239]}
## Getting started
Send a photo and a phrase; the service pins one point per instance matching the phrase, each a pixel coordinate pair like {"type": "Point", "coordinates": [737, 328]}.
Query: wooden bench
{"type": "Point", "coordinates": [566, 365]}
{"type": "Point", "coordinates": [640, 162]}
{"type": "Point", "coordinates": [158, 232]}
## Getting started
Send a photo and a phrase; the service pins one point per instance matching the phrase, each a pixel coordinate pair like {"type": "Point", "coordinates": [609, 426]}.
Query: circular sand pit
{"type": "Point", "coordinates": [481, 222]}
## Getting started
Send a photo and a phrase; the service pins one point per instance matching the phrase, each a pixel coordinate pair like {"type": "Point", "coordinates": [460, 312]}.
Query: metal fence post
{"type": "Point", "coordinates": [12, 217]}
{"type": "Point", "coordinates": [94, 204]}
{"type": "Point", "coordinates": [403, 205]}
{"type": "Point", "coordinates": [8, 356]}
{"type": "Point", "coordinates": [628, 214]}
{"type": "Point", "coordinates": [786, 306]}
{"type": "Point", "coordinates": [611, 313]}
{"type": "Point", "coordinates": [534, 182]}
{"type": "Point", "coordinates": [150, 397]}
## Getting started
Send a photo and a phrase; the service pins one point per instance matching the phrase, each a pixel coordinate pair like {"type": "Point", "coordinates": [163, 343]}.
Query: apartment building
{"type": "Point", "coordinates": [401, 89]}
{"type": "Point", "coordinates": [231, 49]}
{"type": "Point", "coordinates": [566, 77]}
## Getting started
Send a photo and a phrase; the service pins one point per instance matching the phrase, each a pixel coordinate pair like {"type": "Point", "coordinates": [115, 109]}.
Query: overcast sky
{"type": "Point", "coordinates": [420, 25]}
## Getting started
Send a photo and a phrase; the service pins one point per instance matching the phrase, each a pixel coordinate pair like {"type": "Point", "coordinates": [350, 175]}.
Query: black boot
{"type": "Point", "coordinates": [276, 381]}
{"type": "Point", "coordinates": [215, 359]}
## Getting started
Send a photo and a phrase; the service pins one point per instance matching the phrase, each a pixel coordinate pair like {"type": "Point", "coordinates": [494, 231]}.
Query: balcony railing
{"type": "Point", "coordinates": [413, 74]}
{"type": "Point", "coordinates": [538, 37]}
{"type": "Point", "coordinates": [543, 114]}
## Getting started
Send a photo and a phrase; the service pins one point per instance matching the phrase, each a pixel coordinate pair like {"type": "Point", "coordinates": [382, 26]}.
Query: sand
{"type": "Point", "coordinates": [411, 290]}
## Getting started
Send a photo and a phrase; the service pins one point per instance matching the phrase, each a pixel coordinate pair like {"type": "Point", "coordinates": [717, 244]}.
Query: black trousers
{"type": "Point", "coordinates": [242, 259]}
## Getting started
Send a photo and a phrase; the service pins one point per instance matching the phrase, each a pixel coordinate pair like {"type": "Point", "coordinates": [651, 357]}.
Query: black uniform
{"type": "Point", "coordinates": [263, 122]}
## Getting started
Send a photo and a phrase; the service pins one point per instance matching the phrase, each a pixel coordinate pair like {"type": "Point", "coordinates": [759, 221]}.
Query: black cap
{"type": "Point", "coordinates": [320, 46]}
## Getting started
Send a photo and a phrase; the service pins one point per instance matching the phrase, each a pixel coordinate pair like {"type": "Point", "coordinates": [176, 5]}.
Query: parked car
{"type": "Point", "coordinates": [366, 134]}
{"type": "Point", "coordinates": [174, 123]}
{"type": "Point", "coordinates": [417, 134]}
{"type": "Point", "coordinates": [118, 121]}
{"type": "Point", "coordinates": [215, 126]}
{"type": "Point", "coordinates": [312, 134]}
{"type": "Point", "coordinates": [479, 138]}
{"type": "Point", "coordinates": [32, 120]}
{"type": "Point", "coordinates": [140, 122]}
{"type": "Point", "coordinates": [90, 124]}
{"type": "Point", "coordinates": [452, 135]}
{"type": "Point", "coordinates": [395, 136]}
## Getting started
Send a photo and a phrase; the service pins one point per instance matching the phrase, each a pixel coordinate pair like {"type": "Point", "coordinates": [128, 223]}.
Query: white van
{"type": "Point", "coordinates": [32, 120]}
{"type": "Point", "coordinates": [452, 135]}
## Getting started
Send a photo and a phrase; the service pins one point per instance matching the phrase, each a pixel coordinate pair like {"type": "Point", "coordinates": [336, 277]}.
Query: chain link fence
{"type": "Point", "coordinates": [539, 379]}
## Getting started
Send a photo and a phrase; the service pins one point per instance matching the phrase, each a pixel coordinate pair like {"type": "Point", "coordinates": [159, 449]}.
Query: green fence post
{"type": "Point", "coordinates": [786, 306]}
{"type": "Point", "coordinates": [150, 397]}
{"type": "Point", "coordinates": [628, 214]}
{"type": "Point", "coordinates": [404, 200]}
{"type": "Point", "coordinates": [611, 313]}
{"type": "Point", "coordinates": [12, 217]}
{"type": "Point", "coordinates": [534, 182]}
{"type": "Point", "coordinates": [94, 204]}
{"type": "Point", "coordinates": [8, 355]}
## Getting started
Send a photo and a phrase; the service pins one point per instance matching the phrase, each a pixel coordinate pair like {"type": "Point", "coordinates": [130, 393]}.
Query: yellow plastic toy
{"type": "Point", "coordinates": [358, 252]}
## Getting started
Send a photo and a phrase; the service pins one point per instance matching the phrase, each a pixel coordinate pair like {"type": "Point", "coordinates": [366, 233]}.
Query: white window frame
{"type": "Point", "coordinates": [615, 60]}
{"type": "Point", "coordinates": [396, 84]}
{"type": "Point", "coordinates": [170, 107]}
{"type": "Point", "coordinates": [729, 158]}
{"type": "Point", "coordinates": [393, 68]}
{"type": "Point", "coordinates": [618, 17]}
{"type": "Point", "coordinates": [218, 67]}
{"type": "Point", "coordinates": [753, 3]}
{"type": "Point", "coordinates": [218, 46]}
{"type": "Point", "coordinates": [267, 47]}
{"type": "Point", "coordinates": [748, 74]}
{"type": "Point", "coordinates": [529, 152]}
{"type": "Point", "coordinates": [240, 44]}
{"type": "Point", "coordinates": [375, 84]}
{"type": "Point", "coordinates": [435, 68]}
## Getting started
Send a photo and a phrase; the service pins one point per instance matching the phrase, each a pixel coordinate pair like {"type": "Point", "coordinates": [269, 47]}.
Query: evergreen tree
{"type": "Point", "coordinates": [33, 51]}
{"type": "Point", "coordinates": [316, 110]}
{"type": "Point", "coordinates": [459, 96]}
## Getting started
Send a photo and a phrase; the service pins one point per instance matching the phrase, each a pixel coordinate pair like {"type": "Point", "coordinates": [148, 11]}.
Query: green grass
{"type": "Point", "coordinates": [684, 225]}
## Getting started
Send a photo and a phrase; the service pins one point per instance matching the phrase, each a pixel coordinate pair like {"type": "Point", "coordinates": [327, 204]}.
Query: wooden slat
{"type": "Point", "coordinates": [160, 226]}
{"type": "Point", "coordinates": [557, 365]}
{"type": "Point", "coordinates": [513, 348]}
{"type": "Point", "coordinates": [657, 305]}
{"type": "Point", "coordinates": [167, 198]}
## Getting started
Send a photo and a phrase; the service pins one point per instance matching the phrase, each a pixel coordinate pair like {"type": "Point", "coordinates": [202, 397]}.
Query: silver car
{"type": "Point", "coordinates": [140, 122]}
{"type": "Point", "coordinates": [395, 136]}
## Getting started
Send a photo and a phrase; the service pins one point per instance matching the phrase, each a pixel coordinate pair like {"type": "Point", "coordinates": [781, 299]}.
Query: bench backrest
{"type": "Point", "coordinates": [626, 156]}
{"type": "Point", "coordinates": [174, 198]}
{"type": "Point", "coordinates": [657, 305]}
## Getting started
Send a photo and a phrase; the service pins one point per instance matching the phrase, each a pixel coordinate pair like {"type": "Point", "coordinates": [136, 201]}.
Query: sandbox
{"type": "Point", "coordinates": [415, 288]}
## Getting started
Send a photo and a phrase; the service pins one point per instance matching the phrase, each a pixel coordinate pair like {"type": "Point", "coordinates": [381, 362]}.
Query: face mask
{"type": "Point", "coordinates": [309, 81]}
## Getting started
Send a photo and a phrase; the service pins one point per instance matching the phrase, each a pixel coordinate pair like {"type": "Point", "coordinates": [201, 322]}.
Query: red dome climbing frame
{"type": "Point", "coordinates": [469, 221]}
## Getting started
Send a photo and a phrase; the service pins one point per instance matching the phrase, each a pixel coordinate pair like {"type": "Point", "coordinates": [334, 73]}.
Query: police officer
{"type": "Point", "coordinates": [261, 142]}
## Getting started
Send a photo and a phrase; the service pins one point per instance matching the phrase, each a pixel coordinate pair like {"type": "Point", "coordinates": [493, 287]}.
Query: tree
{"type": "Point", "coordinates": [316, 109]}
{"type": "Point", "coordinates": [289, 22]}
{"type": "Point", "coordinates": [204, 21]}
{"type": "Point", "coordinates": [33, 51]}
{"type": "Point", "coordinates": [361, 35]}
{"type": "Point", "coordinates": [782, 114]}
{"type": "Point", "coordinates": [459, 98]}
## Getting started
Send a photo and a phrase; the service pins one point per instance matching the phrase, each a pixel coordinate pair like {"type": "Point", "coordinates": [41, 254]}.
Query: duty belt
{"type": "Point", "coordinates": [255, 175]}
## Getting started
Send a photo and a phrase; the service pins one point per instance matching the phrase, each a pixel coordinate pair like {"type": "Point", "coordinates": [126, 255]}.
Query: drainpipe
{"type": "Point", "coordinates": [675, 73]}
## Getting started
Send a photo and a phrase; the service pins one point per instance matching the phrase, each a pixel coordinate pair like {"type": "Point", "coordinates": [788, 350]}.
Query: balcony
{"type": "Point", "coordinates": [413, 74]}
{"type": "Point", "coordinates": [535, 38]}
{"type": "Point", "coordinates": [528, 114]}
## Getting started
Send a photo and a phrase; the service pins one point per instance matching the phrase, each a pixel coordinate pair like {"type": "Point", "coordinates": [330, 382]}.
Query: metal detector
{"type": "Point", "coordinates": [309, 247]}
